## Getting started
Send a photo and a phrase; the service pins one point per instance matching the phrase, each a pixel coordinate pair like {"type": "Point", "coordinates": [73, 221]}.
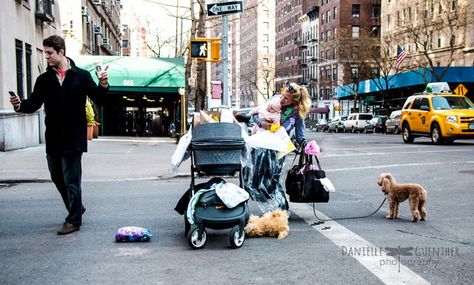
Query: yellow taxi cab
{"type": "Point", "coordinates": [439, 114]}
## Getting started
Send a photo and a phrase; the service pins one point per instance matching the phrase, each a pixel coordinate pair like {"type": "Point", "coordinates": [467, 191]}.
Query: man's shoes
{"type": "Point", "coordinates": [68, 228]}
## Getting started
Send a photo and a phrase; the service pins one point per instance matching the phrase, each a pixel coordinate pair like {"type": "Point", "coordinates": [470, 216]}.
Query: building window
{"type": "Point", "coordinates": [328, 16]}
{"type": "Point", "coordinates": [454, 4]}
{"type": "Point", "coordinates": [29, 85]}
{"type": "Point", "coordinates": [356, 11]}
{"type": "Point", "coordinates": [388, 22]}
{"type": "Point", "coordinates": [355, 31]}
{"type": "Point", "coordinates": [124, 43]}
{"type": "Point", "coordinates": [375, 32]}
{"type": "Point", "coordinates": [376, 11]}
{"type": "Point", "coordinates": [334, 13]}
{"type": "Point", "coordinates": [19, 67]}
{"type": "Point", "coordinates": [265, 38]}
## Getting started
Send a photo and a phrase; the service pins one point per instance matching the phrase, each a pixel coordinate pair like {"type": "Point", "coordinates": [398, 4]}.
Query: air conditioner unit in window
{"type": "Point", "coordinates": [96, 2]}
{"type": "Point", "coordinates": [45, 10]}
{"type": "Point", "coordinates": [97, 30]}
{"type": "Point", "coordinates": [84, 11]}
{"type": "Point", "coordinates": [105, 41]}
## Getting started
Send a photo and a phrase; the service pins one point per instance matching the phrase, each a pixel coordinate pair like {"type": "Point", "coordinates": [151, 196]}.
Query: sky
{"type": "Point", "coordinates": [160, 17]}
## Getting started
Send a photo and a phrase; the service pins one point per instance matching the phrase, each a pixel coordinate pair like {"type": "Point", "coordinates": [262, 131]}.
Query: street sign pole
{"type": "Point", "coordinates": [224, 54]}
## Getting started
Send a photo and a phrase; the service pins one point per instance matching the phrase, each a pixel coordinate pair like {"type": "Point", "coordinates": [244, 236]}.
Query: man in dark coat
{"type": "Point", "coordinates": [63, 89]}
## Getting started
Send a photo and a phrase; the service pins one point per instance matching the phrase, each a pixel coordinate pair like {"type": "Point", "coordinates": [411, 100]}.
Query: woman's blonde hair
{"type": "Point", "coordinates": [300, 98]}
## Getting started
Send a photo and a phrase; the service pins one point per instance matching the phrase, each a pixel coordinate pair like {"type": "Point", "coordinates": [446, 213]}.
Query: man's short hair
{"type": "Point", "coordinates": [56, 42]}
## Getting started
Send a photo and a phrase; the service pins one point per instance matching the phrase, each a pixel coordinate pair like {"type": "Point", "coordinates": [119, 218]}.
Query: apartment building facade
{"type": "Point", "coordinates": [91, 27]}
{"type": "Point", "coordinates": [288, 39]}
{"type": "Point", "coordinates": [448, 24]}
{"type": "Point", "coordinates": [21, 61]}
{"type": "Point", "coordinates": [338, 19]}
{"type": "Point", "coordinates": [257, 53]}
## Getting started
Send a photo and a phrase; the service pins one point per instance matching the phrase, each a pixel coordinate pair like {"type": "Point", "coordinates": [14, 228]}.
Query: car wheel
{"type": "Point", "coordinates": [407, 136]}
{"type": "Point", "coordinates": [436, 136]}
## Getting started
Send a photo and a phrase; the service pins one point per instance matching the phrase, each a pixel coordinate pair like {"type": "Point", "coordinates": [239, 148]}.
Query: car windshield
{"type": "Point", "coordinates": [451, 102]}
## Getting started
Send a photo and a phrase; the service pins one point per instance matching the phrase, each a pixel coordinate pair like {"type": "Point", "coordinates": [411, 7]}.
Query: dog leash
{"type": "Point", "coordinates": [320, 221]}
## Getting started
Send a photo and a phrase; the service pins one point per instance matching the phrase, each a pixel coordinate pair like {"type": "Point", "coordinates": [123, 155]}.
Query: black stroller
{"type": "Point", "coordinates": [216, 149]}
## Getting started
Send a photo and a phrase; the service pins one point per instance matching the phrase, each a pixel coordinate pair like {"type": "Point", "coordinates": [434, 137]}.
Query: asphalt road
{"type": "Point", "coordinates": [351, 251]}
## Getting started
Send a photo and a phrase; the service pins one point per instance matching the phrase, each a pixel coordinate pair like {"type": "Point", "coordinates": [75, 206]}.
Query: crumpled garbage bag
{"type": "Point", "coordinates": [262, 175]}
{"type": "Point", "coordinates": [132, 233]}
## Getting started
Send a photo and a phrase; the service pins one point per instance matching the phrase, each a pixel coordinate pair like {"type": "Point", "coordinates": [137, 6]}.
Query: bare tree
{"type": "Point", "coordinates": [384, 70]}
{"type": "Point", "coordinates": [355, 52]}
{"type": "Point", "coordinates": [160, 43]}
{"type": "Point", "coordinates": [434, 27]}
{"type": "Point", "coordinates": [261, 77]}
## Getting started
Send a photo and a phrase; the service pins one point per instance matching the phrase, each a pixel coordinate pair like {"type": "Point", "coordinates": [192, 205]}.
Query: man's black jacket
{"type": "Point", "coordinates": [64, 107]}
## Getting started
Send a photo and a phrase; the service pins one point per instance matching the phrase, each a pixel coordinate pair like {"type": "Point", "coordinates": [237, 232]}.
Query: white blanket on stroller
{"type": "Point", "coordinates": [231, 194]}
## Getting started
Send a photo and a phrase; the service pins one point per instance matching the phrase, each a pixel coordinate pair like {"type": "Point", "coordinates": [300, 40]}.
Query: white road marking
{"type": "Point", "coordinates": [398, 165]}
{"type": "Point", "coordinates": [375, 260]}
{"type": "Point", "coordinates": [390, 153]}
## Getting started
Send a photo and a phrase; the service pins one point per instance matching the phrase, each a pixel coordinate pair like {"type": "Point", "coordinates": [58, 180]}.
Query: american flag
{"type": "Point", "coordinates": [401, 54]}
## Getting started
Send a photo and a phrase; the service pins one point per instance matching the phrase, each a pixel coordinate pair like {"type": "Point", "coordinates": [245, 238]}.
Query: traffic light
{"type": "Point", "coordinates": [207, 49]}
{"type": "Point", "coordinates": [199, 49]}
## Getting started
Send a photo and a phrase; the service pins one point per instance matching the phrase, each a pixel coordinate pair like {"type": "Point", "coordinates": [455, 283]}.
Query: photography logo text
{"type": "Point", "coordinates": [407, 256]}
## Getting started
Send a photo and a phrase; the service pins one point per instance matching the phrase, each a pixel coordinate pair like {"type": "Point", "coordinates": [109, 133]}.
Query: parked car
{"type": "Point", "coordinates": [376, 125]}
{"type": "Point", "coordinates": [336, 124]}
{"type": "Point", "coordinates": [321, 125]}
{"type": "Point", "coordinates": [392, 125]}
{"type": "Point", "coordinates": [356, 122]}
{"type": "Point", "coordinates": [437, 114]}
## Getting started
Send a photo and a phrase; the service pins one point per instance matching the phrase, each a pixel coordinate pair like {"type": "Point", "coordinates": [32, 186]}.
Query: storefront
{"type": "Point", "coordinates": [371, 99]}
{"type": "Point", "coordinates": [145, 95]}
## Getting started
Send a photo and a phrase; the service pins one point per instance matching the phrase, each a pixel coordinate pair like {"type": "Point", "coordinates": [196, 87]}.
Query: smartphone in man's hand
{"type": "Point", "coordinates": [12, 94]}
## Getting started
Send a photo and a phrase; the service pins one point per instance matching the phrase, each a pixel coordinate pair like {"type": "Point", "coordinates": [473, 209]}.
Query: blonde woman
{"type": "Point", "coordinates": [263, 170]}
{"type": "Point", "coordinates": [295, 104]}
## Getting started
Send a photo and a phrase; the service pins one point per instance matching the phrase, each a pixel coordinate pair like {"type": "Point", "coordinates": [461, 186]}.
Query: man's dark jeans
{"type": "Point", "coordinates": [66, 172]}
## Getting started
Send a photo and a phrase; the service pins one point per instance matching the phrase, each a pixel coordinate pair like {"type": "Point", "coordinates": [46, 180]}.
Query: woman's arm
{"type": "Point", "coordinates": [262, 123]}
{"type": "Point", "coordinates": [299, 130]}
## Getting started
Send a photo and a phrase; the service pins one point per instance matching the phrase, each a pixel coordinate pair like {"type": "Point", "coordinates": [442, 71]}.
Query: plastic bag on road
{"type": "Point", "coordinates": [181, 153]}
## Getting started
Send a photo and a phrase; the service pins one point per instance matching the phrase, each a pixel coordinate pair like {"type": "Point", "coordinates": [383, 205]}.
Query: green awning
{"type": "Point", "coordinates": [138, 74]}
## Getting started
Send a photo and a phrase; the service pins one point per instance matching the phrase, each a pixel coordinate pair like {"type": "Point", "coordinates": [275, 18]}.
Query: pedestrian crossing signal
{"type": "Point", "coordinates": [199, 49]}
{"type": "Point", "coordinates": [207, 49]}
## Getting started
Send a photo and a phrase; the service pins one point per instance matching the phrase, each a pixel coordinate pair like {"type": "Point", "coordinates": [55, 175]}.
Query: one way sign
{"type": "Point", "coordinates": [217, 9]}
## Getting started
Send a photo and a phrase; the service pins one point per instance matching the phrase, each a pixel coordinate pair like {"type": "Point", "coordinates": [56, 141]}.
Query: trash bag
{"type": "Point", "coordinates": [262, 179]}
{"type": "Point", "coordinates": [132, 233]}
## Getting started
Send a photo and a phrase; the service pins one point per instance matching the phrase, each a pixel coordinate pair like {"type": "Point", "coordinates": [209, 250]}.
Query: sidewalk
{"type": "Point", "coordinates": [108, 158]}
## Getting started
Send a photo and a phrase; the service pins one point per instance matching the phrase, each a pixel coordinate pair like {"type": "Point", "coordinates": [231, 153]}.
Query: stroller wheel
{"type": "Point", "coordinates": [194, 240]}
{"type": "Point", "coordinates": [236, 236]}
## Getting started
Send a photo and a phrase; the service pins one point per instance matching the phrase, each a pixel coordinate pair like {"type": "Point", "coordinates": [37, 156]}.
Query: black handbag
{"type": "Point", "coordinates": [305, 186]}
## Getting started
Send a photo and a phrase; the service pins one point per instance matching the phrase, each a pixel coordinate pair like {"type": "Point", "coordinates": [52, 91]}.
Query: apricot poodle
{"type": "Point", "coordinates": [399, 192]}
{"type": "Point", "coordinates": [274, 223]}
